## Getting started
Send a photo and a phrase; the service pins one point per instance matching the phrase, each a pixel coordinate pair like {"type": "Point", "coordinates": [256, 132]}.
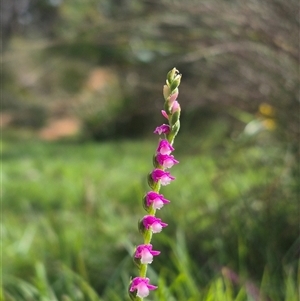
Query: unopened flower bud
{"type": "Point", "coordinates": [164, 113]}
{"type": "Point", "coordinates": [172, 98]}
{"type": "Point", "coordinates": [175, 83]}
{"type": "Point", "coordinates": [176, 107]}
{"type": "Point", "coordinates": [166, 92]}
{"type": "Point", "coordinates": [172, 75]}
{"type": "Point", "coordinates": [175, 112]}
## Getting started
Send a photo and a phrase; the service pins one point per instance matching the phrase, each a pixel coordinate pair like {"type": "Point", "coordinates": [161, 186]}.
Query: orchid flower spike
{"type": "Point", "coordinates": [140, 286]}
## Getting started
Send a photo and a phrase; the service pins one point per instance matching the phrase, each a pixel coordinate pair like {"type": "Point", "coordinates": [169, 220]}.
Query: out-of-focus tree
{"type": "Point", "coordinates": [27, 17]}
{"type": "Point", "coordinates": [233, 54]}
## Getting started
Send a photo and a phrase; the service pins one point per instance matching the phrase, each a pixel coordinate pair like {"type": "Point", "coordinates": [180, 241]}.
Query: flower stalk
{"type": "Point", "coordinates": [140, 286]}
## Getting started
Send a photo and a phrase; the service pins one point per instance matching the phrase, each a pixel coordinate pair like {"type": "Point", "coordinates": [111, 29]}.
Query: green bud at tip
{"type": "Point", "coordinates": [175, 83]}
{"type": "Point", "coordinates": [171, 76]}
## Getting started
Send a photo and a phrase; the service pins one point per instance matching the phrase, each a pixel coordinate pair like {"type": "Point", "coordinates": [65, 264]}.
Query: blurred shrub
{"type": "Point", "coordinates": [234, 205]}
{"type": "Point", "coordinates": [23, 110]}
{"type": "Point", "coordinates": [232, 54]}
{"type": "Point", "coordinates": [100, 104]}
{"type": "Point", "coordinates": [33, 116]}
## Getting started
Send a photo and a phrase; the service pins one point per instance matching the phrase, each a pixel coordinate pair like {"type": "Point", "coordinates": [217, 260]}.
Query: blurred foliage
{"type": "Point", "coordinates": [233, 54]}
{"type": "Point", "coordinates": [105, 62]}
{"type": "Point", "coordinates": [234, 211]}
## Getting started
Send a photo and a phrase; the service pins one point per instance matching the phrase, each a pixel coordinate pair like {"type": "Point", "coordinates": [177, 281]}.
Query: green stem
{"type": "Point", "coordinates": [143, 270]}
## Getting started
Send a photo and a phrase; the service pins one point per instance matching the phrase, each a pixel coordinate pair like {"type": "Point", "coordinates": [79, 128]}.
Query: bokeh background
{"type": "Point", "coordinates": [81, 94]}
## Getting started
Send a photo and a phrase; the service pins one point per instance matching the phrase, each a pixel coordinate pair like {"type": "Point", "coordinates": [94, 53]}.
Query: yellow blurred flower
{"type": "Point", "coordinates": [266, 110]}
{"type": "Point", "coordinates": [269, 124]}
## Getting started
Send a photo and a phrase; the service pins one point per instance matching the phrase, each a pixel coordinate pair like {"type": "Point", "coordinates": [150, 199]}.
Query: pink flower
{"type": "Point", "coordinates": [166, 161]}
{"type": "Point", "coordinates": [164, 147]}
{"type": "Point", "coordinates": [156, 199]}
{"type": "Point", "coordinates": [155, 223]}
{"type": "Point", "coordinates": [142, 286]}
{"type": "Point", "coordinates": [175, 107]}
{"type": "Point", "coordinates": [164, 113]}
{"type": "Point", "coordinates": [172, 98]}
{"type": "Point", "coordinates": [163, 176]}
{"type": "Point", "coordinates": [145, 253]}
{"type": "Point", "coordinates": [163, 129]}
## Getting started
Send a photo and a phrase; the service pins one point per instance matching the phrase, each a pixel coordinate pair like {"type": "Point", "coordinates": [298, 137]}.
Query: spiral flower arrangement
{"type": "Point", "coordinates": [140, 286]}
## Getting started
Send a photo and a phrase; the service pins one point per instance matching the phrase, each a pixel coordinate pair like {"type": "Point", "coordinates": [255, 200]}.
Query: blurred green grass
{"type": "Point", "coordinates": [71, 211]}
